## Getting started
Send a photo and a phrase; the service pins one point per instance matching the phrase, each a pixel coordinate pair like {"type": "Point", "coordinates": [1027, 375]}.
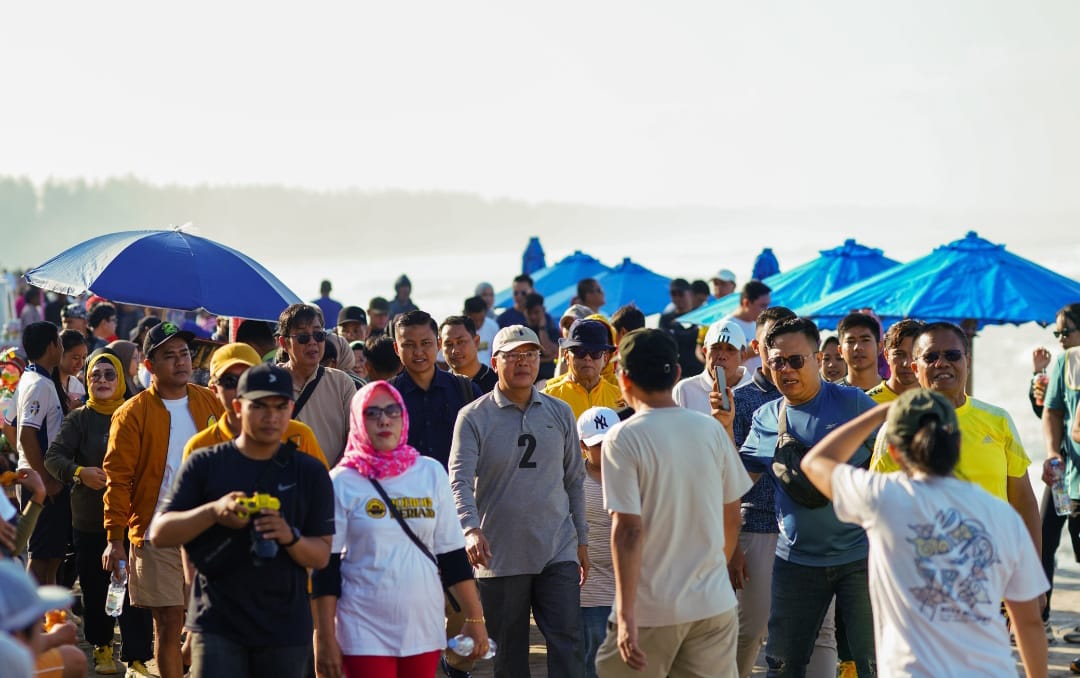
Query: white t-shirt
{"type": "Point", "coordinates": [676, 468]}
{"type": "Point", "coordinates": [943, 554]}
{"type": "Point", "coordinates": [391, 600]}
{"type": "Point", "coordinates": [181, 429]}
{"type": "Point", "coordinates": [38, 408]}
{"type": "Point", "coordinates": [749, 328]}
{"type": "Point", "coordinates": [693, 392]}
{"type": "Point", "coordinates": [487, 334]}
{"type": "Point", "coordinates": [75, 388]}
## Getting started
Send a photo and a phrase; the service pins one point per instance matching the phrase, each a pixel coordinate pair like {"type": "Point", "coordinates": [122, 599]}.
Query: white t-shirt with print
{"type": "Point", "coordinates": [943, 554]}
{"type": "Point", "coordinates": [181, 429]}
{"type": "Point", "coordinates": [391, 600]}
{"type": "Point", "coordinates": [38, 408]}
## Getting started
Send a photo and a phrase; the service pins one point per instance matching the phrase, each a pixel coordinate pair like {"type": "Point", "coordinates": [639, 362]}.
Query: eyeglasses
{"type": "Point", "coordinates": [520, 293]}
{"type": "Point", "coordinates": [795, 361]}
{"type": "Point", "coordinates": [1065, 332]}
{"type": "Point", "coordinates": [520, 356]}
{"type": "Point", "coordinates": [953, 355]}
{"type": "Point", "coordinates": [108, 375]}
{"type": "Point", "coordinates": [228, 381]}
{"type": "Point", "coordinates": [581, 353]}
{"type": "Point", "coordinates": [375, 413]}
{"type": "Point", "coordinates": [318, 335]}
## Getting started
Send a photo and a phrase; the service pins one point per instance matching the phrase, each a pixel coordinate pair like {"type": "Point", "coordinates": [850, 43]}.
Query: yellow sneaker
{"type": "Point", "coordinates": [137, 669]}
{"type": "Point", "coordinates": [848, 670]}
{"type": "Point", "coordinates": [104, 662]}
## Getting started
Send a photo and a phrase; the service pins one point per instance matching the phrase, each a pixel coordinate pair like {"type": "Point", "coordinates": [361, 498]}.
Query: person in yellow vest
{"type": "Point", "coordinates": [588, 349]}
{"type": "Point", "coordinates": [897, 348]}
{"type": "Point", "coordinates": [226, 365]}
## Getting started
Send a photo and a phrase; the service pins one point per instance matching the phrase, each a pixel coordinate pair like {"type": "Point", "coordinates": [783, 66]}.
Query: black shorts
{"type": "Point", "coordinates": [52, 536]}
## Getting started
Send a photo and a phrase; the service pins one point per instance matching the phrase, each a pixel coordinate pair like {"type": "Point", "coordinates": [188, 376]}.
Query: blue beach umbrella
{"type": "Point", "coordinates": [628, 282]}
{"type": "Point", "coordinates": [557, 277]}
{"type": "Point", "coordinates": [533, 258]}
{"type": "Point", "coordinates": [834, 270]}
{"type": "Point", "coordinates": [166, 269]}
{"type": "Point", "coordinates": [765, 265]}
{"type": "Point", "coordinates": [970, 281]}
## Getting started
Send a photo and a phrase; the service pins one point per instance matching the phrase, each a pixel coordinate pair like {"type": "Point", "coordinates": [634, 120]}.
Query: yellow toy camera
{"type": "Point", "coordinates": [256, 503]}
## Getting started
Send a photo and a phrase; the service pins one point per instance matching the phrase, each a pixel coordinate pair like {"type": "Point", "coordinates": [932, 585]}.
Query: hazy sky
{"type": "Point", "coordinates": [954, 104]}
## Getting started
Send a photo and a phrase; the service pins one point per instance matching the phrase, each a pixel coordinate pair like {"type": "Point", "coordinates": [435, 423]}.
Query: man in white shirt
{"type": "Point", "coordinates": [724, 346]}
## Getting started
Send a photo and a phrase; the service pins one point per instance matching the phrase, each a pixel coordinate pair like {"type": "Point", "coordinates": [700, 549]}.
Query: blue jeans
{"type": "Point", "coordinates": [800, 598]}
{"type": "Point", "coordinates": [593, 631]}
{"type": "Point", "coordinates": [555, 600]}
{"type": "Point", "coordinates": [214, 655]}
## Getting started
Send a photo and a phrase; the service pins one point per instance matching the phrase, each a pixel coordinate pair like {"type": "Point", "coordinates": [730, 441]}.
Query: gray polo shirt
{"type": "Point", "coordinates": [518, 475]}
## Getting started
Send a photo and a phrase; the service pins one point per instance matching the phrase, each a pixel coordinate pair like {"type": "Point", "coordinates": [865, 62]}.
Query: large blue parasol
{"type": "Point", "coordinates": [628, 282]}
{"type": "Point", "coordinates": [166, 269]}
{"type": "Point", "coordinates": [834, 270]}
{"type": "Point", "coordinates": [557, 277]}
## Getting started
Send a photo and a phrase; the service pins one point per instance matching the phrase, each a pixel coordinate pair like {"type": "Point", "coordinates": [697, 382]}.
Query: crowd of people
{"type": "Point", "coordinates": [372, 491]}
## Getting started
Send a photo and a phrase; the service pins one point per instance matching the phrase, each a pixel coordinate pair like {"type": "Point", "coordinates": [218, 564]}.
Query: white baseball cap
{"type": "Point", "coordinates": [594, 423]}
{"type": "Point", "coordinates": [512, 336]}
{"type": "Point", "coordinates": [725, 275]}
{"type": "Point", "coordinates": [725, 332]}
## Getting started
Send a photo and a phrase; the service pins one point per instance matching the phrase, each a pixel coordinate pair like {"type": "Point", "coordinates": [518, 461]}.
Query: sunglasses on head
{"type": "Point", "coordinates": [1064, 333]}
{"type": "Point", "coordinates": [953, 355]}
{"type": "Point", "coordinates": [795, 361]}
{"type": "Point", "coordinates": [228, 381]}
{"type": "Point", "coordinates": [375, 413]}
{"type": "Point", "coordinates": [318, 335]}
{"type": "Point", "coordinates": [579, 353]}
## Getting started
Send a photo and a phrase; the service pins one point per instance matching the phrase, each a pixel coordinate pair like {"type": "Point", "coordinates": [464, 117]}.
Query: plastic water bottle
{"type": "Point", "coordinates": [463, 645]}
{"type": "Point", "coordinates": [114, 600]}
{"type": "Point", "coordinates": [1062, 505]}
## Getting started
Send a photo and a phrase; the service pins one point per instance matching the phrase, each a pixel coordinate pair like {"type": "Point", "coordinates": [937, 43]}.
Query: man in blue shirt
{"type": "Point", "coordinates": [817, 556]}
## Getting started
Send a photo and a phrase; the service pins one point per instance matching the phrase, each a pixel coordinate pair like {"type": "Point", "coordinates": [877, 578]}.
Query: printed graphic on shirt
{"type": "Point", "coordinates": [415, 507]}
{"type": "Point", "coordinates": [953, 555]}
{"type": "Point", "coordinates": [375, 508]}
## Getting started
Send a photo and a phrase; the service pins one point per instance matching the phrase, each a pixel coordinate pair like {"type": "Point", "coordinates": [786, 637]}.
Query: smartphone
{"type": "Point", "coordinates": [721, 382]}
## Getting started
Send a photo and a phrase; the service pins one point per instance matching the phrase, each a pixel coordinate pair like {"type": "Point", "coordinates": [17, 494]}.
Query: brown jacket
{"type": "Point", "coordinates": [135, 458]}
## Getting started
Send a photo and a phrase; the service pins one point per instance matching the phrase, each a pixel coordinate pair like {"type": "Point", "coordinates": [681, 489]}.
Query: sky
{"type": "Point", "coordinates": [927, 104]}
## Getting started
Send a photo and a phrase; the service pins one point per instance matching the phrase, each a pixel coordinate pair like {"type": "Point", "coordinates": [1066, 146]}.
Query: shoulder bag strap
{"type": "Point", "coordinates": [401, 521]}
{"type": "Point", "coordinates": [308, 390]}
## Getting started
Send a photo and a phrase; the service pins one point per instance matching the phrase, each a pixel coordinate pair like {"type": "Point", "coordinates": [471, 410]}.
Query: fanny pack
{"type": "Point", "coordinates": [789, 454]}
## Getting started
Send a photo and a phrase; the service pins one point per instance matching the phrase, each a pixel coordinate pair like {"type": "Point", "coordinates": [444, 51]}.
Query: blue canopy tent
{"type": "Point", "coordinates": [971, 282]}
{"type": "Point", "coordinates": [834, 270]}
{"type": "Point", "coordinates": [166, 269]}
{"type": "Point", "coordinates": [628, 282]}
{"type": "Point", "coordinates": [765, 265]}
{"type": "Point", "coordinates": [557, 277]}
{"type": "Point", "coordinates": [532, 259]}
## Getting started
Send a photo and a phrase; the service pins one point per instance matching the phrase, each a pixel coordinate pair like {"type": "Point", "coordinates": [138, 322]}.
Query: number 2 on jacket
{"type": "Point", "coordinates": [529, 443]}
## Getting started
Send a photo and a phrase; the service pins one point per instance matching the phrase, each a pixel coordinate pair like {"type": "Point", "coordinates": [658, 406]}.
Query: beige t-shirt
{"type": "Point", "coordinates": [676, 468]}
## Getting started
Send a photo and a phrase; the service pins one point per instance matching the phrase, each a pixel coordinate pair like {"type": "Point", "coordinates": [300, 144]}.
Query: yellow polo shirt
{"type": "Point", "coordinates": [882, 394]}
{"type": "Point", "coordinates": [298, 433]}
{"type": "Point", "coordinates": [990, 449]}
{"type": "Point", "coordinates": [604, 394]}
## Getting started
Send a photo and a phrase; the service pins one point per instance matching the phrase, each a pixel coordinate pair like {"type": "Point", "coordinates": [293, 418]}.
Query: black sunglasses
{"type": "Point", "coordinates": [796, 361]}
{"type": "Point", "coordinates": [392, 411]}
{"type": "Point", "coordinates": [1064, 333]}
{"type": "Point", "coordinates": [579, 353]}
{"type": "Point", "coordinates": [228, 381]}
{"type": "Point", "coordinates": [318, 335]}
{"type": "Point", "coordinates": [953, 355]}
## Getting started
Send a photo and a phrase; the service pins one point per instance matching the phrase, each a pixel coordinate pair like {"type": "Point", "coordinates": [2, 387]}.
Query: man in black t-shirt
{"type": "Point", "coordinates": [249, 607]}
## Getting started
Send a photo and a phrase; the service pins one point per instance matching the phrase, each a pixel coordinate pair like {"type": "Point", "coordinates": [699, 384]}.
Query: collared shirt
{"type": "Point", "coordinates": [327, 411]}
{"type": "Point", "coordinates": [882, 393]}
{"type": "Point", "coordinates": [485, 378]}
{"type": "Point", "coordinates": [432, 413]}
{"type": "Point", "coordinates": [604, 394]}
{"type": "Point", "coordinates": [296, 432]}
{"type": "Point", "coordinates": [758, 505]}
{"type": "Point", "coordinates": [693, 392]}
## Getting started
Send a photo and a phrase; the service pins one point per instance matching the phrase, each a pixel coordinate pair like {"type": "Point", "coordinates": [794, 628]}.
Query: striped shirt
{"type": "Point", "coordinates": [599, 588]}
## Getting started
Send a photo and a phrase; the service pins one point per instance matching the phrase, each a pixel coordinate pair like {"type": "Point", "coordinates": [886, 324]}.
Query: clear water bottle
{"type": "Point", "coordinates": [463, 645]}
{"type": "Point", "coordinates": [114, 600]}
{"type": "Point", "coordinates": [1062, 505]}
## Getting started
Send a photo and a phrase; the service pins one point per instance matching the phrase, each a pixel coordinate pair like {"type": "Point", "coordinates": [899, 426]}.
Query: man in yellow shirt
{"type": "Point", "coordinates": [990, 451]}
{"type": "Point", "coordinates": [588, 349]}
{"type": "Point", "coordinates": [896, 348]}
{"type": "Point", "coordinates": [226, 365]}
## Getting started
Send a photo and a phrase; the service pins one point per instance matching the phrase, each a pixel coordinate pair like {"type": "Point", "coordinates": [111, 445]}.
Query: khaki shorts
{"type": "Point", "coordinates": [155, 576]}
{"type": "Point", "coordinates": [699, 649]}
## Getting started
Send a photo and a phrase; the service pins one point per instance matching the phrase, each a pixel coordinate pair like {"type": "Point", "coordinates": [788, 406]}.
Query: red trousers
{"type": "Point", "coordinates": [415, 666]}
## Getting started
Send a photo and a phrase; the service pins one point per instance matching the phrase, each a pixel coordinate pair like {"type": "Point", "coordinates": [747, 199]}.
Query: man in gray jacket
{"type": "Point", "coordinates": [525, 530]}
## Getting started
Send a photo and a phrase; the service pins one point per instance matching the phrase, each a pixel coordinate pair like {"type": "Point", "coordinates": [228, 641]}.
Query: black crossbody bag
{"type": "Point", "coordinates": [416, 540]}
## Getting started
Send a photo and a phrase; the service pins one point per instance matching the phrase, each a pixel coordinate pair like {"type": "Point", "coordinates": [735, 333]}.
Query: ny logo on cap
{"type": "Point", "coordinates": [169, 329]}
{"type": "Point", "coordinates": [600, 422]}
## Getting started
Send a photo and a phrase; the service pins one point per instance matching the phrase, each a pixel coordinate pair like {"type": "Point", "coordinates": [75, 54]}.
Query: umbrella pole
{"type": "Point", "coordinates": [970, 326]}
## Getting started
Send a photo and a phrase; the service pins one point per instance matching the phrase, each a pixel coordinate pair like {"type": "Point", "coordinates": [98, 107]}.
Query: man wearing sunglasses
{"type": "Point", "coordinates": [587, 347]}
{"type": "Point", "coordinates": [817, 556]}
{"type": "Point", "coordinates": [323, 395]}
{"type": "Point", "coordinates": [227, 365]}
{"type": "Point", "coordinates": [521, 288]}
{"type": "Point", "coordinates": [990, 451]}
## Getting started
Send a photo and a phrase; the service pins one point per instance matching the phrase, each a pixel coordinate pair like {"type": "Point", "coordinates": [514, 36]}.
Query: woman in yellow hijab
{"type": "Point", "coordinates": [75, 457]}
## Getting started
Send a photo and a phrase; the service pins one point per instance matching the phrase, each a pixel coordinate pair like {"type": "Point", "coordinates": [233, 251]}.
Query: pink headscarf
{"type": "Point", "coordinates": [361, 455]}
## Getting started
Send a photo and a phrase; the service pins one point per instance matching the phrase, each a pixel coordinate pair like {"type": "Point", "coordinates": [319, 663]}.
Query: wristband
{"type": "Point", "coordinates": [471, 620]}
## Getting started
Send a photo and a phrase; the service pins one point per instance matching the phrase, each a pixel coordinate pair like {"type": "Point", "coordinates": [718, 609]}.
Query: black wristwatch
{"type": "Point", "coordinates": [295, 538]}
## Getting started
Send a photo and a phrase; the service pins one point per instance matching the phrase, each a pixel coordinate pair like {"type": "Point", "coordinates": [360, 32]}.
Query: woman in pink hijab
{"type": "Point", "coordinates": [380, 601]}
